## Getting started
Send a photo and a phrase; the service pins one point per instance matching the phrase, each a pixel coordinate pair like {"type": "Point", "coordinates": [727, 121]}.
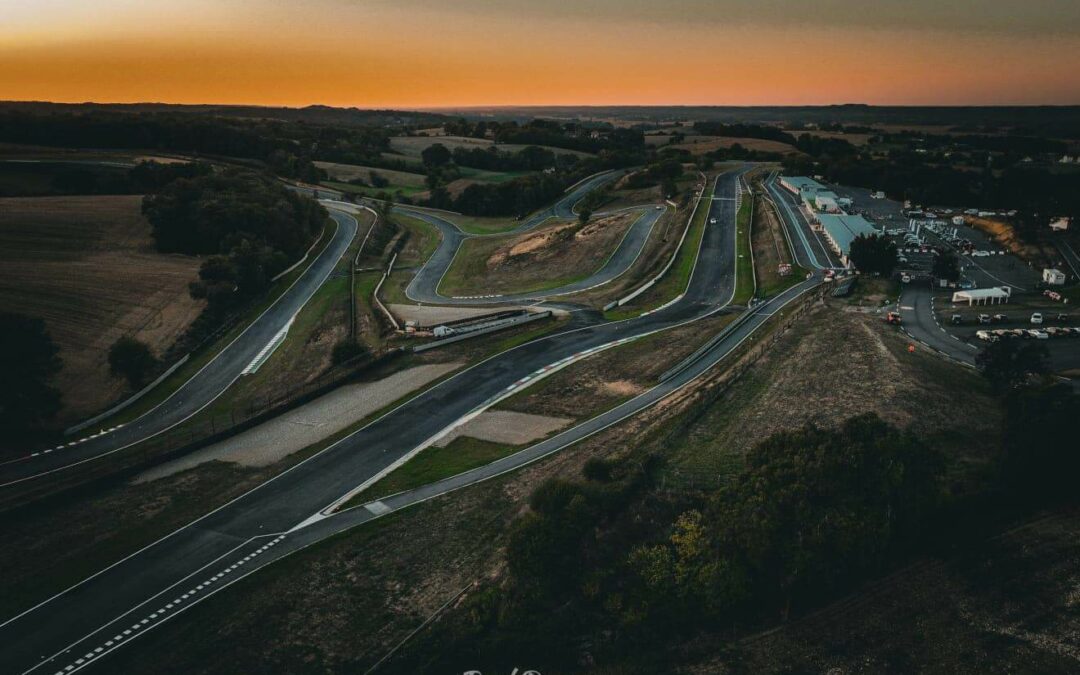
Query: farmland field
{"type": "Point", "coordinates": [412, 146]}
{"type": "Point", "coordinates": [347, 172]}
{"type": "Point", "coordinates": [699, 145]}
{"type": "Point", "coordinates": [86, 265]}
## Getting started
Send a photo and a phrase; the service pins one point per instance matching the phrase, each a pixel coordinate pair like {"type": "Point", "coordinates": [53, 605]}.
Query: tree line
{"type": "Point", "coordinates": [248, 223]}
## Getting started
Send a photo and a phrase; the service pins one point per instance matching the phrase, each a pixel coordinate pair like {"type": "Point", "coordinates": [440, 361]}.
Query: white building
{"type": "Point", "coordinates": [799, 184]}
{"type": "Point", "coordinates": [1053, 277]}
{"type": "Point", "coordinates": [826, 201]}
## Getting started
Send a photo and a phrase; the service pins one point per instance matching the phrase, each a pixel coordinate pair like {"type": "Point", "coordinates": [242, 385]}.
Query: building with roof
{"type": "Point", "coordinates": [1053, 277]}
{"type": "Point", "coordinates": [826, 201]}
{"type": "Point", "coordinates": [841, 229]}
{"type": "Point", "coordinates": [799, 184]}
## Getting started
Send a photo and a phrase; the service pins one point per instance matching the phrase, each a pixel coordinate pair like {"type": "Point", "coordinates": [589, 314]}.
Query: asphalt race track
{"type": "Point", "coordinates": [425, 284]}
{"type": "Point", "coordinates": [811, 251]}
{"type": "Point", "coordinates": [206, 385]}
{"type": "Point", "coordinates": [78, 627]}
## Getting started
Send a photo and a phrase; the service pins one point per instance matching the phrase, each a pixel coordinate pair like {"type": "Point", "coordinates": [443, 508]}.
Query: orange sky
{"type": "Point", "coordinates": [412, 53]}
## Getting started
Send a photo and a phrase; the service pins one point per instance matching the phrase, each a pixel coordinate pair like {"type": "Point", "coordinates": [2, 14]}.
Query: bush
{"type": "Point", "coordinates": [132, 359]}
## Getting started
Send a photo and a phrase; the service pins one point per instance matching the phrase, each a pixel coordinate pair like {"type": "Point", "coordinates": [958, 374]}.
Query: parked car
{"type": "Point", "coordinates": [986, 336]}
{"type": "Point", "coordinates": [1001, 318]}
{"type": "Point", "coordinates": [1039, 334]}
{"type": "Point", "coordinates": [1036, 318]}
{"type": "Point", "coordinates": [956, 319]}
{"type": "Point", "coordinates": [984, 318]}
{"type": "Point", "coordinates": [1063, 318]}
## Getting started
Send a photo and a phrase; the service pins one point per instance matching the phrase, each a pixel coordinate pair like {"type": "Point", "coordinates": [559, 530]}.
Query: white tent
{"type": "Point", "coordinates": [982, 296]}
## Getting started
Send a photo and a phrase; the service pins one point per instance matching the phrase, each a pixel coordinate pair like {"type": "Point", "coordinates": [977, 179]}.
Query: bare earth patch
{"type": "Point", "coordinates": [543, 258]}
{"type": "Point", "coordinates": [506, 427]}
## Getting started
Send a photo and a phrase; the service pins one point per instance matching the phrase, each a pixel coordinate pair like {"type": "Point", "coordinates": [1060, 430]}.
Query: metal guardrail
{"type": "Point", "coordinates": [710, 345]}
{"type": "Point", "coordinates": [675, 254]}
{"type": "Point", "coordinates": [506, 323]}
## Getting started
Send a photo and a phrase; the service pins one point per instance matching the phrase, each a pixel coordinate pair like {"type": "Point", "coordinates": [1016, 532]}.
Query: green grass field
{"type": "Point", "coordinates": [744, 263]}
{"type": "Point", "coordinates": [435, 463]}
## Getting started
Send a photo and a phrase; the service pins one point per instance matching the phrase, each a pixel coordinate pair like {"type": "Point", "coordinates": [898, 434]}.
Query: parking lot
{"type": "Point", "coordinates": [983, 263]}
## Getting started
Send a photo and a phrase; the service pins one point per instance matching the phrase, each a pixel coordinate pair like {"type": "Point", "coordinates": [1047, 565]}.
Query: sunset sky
{"type": "Point", "coordinates": [421, 53]}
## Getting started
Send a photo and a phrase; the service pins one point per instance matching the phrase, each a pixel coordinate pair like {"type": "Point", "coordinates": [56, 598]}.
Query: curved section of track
{"type": "Point", "coordinates": [424, 287]}
{"type": "Point", "coordinates": [207, 384]}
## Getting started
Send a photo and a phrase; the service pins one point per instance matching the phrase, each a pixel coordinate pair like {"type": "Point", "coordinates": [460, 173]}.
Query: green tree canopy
{"type": "Point", "coordinates": [132, 359]}
{"type": "Point", "coordinates": [947, 266]}
{"type": "Point", "coordinates": [873, 254]}
{"type": "Point", "coordinates": [1008, 364]}
{"type": "Point", "coordinates": [28, 359]}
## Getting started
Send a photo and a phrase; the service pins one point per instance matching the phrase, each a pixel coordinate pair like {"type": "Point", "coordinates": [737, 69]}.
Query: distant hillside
{"type": "Point", "coordinates": [319, 114]}
{"type": "Point", "coordinates": [1055, 120]}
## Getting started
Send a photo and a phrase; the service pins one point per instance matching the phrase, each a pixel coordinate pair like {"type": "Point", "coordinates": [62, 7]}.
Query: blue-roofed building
{"type": "Point", "coordinates": [841, 229]}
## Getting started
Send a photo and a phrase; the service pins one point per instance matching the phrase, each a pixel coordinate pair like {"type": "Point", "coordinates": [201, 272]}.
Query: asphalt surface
{"type": "Point", "coordinates": [811, 251]}
{"type": "Point", "coordinates": [1072, 260]}
{"type": "Point", "coordinates": [425, 284]}
{"type": "Point", "coordinates": [202, 388]}
{"type": "Point", "coordinates": [919, 321]}
{"type": "Point", "coordinates": [83, 624]}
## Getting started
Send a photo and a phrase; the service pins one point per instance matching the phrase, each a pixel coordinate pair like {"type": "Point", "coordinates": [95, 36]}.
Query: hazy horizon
{"type": "Point", "coordinates": [419, 54]}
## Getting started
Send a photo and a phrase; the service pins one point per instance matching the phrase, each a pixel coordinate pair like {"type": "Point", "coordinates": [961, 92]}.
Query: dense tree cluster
{"type": "Point", "coordinates": [530, 158]}
{"type": "Point", "coordinates": [287, 148]}
{"type": "Point", "coordinates": [605, 562]}
{"type": "Point", "coordinates": [29, 360]}
{"type": "Point", "coordinates": [72, 178]}
{"type": "Point", "coordinates": [663, 172]}
{"type": "Point", "coordinates": [1009, 364]}
{"type": "Point", "coordinates": [515, 197]}
{"type": "Point", "coordinates": [132, 359]}
{"type": "Point", "coordinates": [251, 226]}
{"type": "Point", "coordinates": [953, 180]}
{"type": "Point", "coordinates": [814, 510]}
{"type": "Point", "coordinates": [946, 266]}
{"type": "Point", "coordinates": [873, 254]}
